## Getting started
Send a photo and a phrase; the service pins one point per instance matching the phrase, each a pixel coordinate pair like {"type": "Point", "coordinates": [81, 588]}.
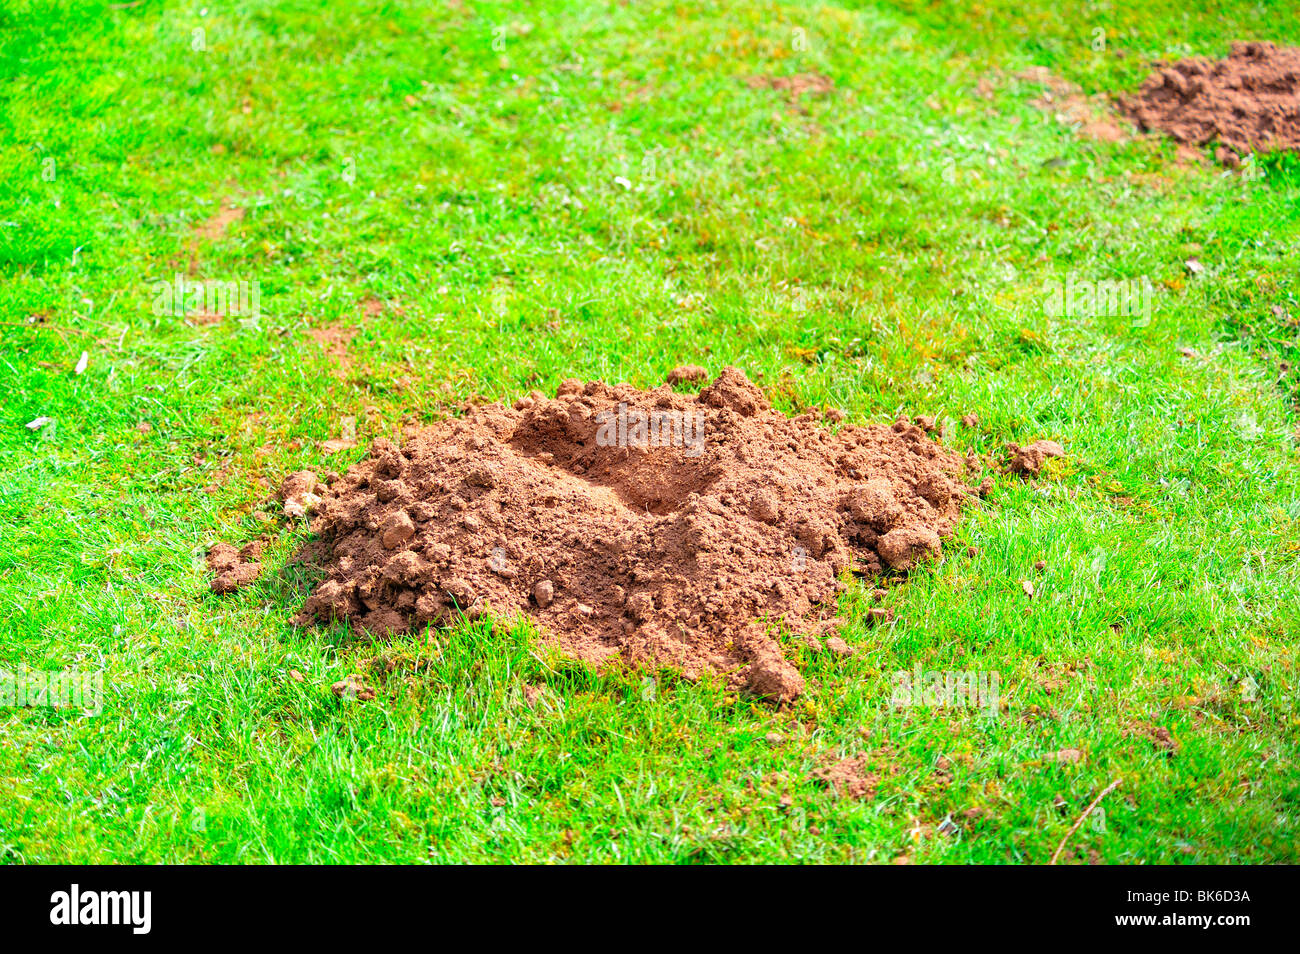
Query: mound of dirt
{"type": "Point", "coordinates": [657, 528]}
{"type": "Point", "coordinates": [1249, 102]}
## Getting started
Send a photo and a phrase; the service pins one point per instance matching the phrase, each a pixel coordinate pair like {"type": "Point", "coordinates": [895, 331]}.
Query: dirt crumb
{"type": "Point", "coordinates": [848, 777]}
{"type": "Point", "coordinates": [838, 646]}
{"type": "Point", "coordinates": [353, 686]}
{"type": "Point", "coordinates": [645, 527]}
{"type": "Point", "coordinates": [793, 86]}
{"type": "Point", "coordinates": [1248, 102]}
{"type": "Point", "coordinates": [1160, 737]}
{"type": "Point", "coordinates": [1065, 756]}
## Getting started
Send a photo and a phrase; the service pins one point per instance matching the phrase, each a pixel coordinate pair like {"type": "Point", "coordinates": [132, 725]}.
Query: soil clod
{"type": "Point", "coordinates": [1030, 460]}
{"type": "Point", "coordinates": [234, 568]}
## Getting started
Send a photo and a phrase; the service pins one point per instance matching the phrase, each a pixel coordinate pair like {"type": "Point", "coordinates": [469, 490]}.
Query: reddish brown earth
{"type": "Point", "coordinates": [1031, 459]}
{"type": "Point", "coordinates": [1091, 116]}
{"type": "Point", "coordinates": [1249, 102]}
{"type": "Point", "coordinates": [849, 777]}
{"type": "Point", "coordinates": [795, 86]}
{"type": "Point", "coordinates": [680, 553]}
{"type": "Point", "coordinates": [216, 226]}
{"type": "Point", "coordinates": [234, 568]}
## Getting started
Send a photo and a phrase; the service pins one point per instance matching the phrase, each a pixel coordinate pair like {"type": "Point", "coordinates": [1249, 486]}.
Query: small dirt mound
{"type": "Point", "coordinates": [234, 569]}
{"type": "Point", "coordinates": [1249, 102]}
{"type": "Point", "coordinates": [647, 526]}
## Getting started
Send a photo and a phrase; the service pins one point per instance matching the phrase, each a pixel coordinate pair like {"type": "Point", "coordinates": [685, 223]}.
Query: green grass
{"type": "Point", "coordinates": [880, 249]}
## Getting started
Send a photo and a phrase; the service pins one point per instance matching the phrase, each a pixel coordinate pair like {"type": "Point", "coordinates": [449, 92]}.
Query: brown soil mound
{"type": "Point", "coordinates": [655, 527]}
{"type": "Point", "coordinates": [1249, 102]}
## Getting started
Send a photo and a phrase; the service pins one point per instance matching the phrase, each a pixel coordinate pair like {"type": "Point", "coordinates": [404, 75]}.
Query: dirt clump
{"type": "Point", "coordinates": [299, 494]}
{"type": "Point", "coordinates": [353, 686]}
{"type": "Point", "coordinates": [234, 568]}
{"type": "Point", "coordinates": [636, 527]}
{"type": "Point", "coordinates": [1249, 102]}
{"type": "Point", "coordinates": [1030, 460]}
{"type": "Point", "coordinates": [1160, 737]}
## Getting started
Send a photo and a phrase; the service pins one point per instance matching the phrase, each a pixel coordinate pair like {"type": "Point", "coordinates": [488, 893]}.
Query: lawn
{"type": "Point", "coordinates": [448, 202]}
